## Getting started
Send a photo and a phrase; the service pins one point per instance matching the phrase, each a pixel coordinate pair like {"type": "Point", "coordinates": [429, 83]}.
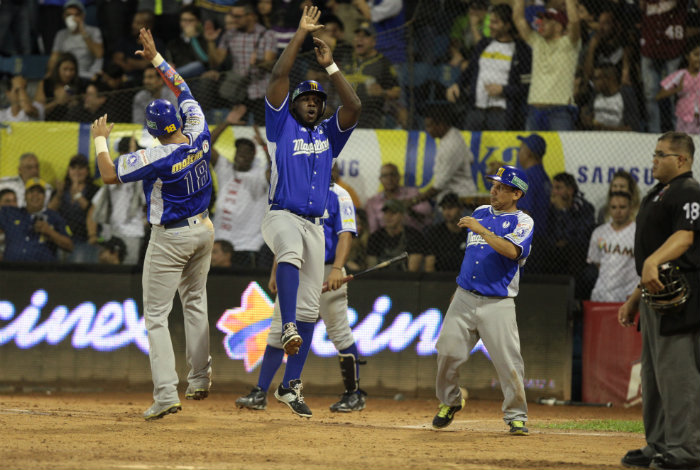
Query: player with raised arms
{"type": "Point", "coordinates": [177, 185]}
{"type": "Point", "coordinates": [303, 148]}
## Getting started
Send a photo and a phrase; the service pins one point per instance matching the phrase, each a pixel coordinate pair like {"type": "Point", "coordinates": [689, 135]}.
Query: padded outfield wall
{"type": "Point", "coordinates": [84, 329]}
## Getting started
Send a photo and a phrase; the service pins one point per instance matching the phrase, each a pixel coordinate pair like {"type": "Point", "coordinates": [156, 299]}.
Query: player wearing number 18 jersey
{"type": "Point", "coordinates": [177, 186]}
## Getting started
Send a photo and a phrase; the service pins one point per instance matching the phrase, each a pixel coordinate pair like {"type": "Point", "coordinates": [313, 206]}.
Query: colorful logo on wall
{"type": "Point", "coordinates": [247, 327]}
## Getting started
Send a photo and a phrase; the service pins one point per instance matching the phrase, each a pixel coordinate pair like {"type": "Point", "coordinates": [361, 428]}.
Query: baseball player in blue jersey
{"type": "Point", "coordinates": [339, 229]}
{"type": "Point", "coordinates": [177, 185]}
{"type": "Point", "coordinates": [303, 151]}
{"type": "Point", "coordinates": [498, 243]}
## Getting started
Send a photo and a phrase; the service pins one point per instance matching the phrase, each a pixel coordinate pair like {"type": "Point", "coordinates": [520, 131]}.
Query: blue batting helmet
{"type": "Point", "coordinates": [511, 176]}
{"type": "Point", "coordinates": [162, 118]}
{"type": "Point", "coordinates": [310, 86]}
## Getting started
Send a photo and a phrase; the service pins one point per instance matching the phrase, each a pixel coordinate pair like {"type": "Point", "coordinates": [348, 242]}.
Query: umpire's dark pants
{"type": "Point", "coordinates": [670, 391]}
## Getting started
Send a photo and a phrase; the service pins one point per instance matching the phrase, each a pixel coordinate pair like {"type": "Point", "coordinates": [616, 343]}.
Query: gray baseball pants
{"type": "Point", "coordinates": [670, 390]}
{"type": "Point", "coordinates": [469, 318]}
{"type": "Point", "coordinates": [178, 260]}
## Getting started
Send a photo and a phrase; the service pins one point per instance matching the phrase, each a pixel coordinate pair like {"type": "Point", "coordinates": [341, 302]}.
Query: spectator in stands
{"type": "Point", "coordinates": [119, 210]}
{"type": "Point", "coordinates": [59, 90]}
{"type": "Point", "coordinates": [153, 90]}
{"type": "Point", "coordinates": [496, 81]}
{"type": "Point", "coordinates": [609, 46]}
{"type": "Point", "coordinates": [453, 159]}
{"type": "Point", "coordinates": [468, 29]}
{"type": "Point", "coordinates": [614, 106]}
{"type": "Point", "coordinates": [118, 91]}
{"type": "Point", "coordinates": [32, 233]}
{"type": "Point", "coordinates": [81, 40]}
{"type": "Point", "coordinates": [419, 215]}
{"type": "Point", "coordinates": [395, 238]}
{"type": "Point", "coordinates": [27, 169]}
{"type": "Point", "coordinates": [15, 28]}
{"type": "Point", "coordinates": [21, 106]}
{"type": "Point", "coordinates": [555, 49]}
{"type": "Point", "coordinates": [372, 76]}
{"type": "Point", "coordinates": [241, 202]}
{"type": "Point", "coordinates": [536, 201]}
{"type": "Point", "coordinates": [188, 51]}
{"type": "Point", "coordinates": [621, 182]}
{"type": "Point", "coordinates": [611, 249]}
{"type": "Point", "coordinates": [342, 49]}
{"type": "Point", "coordinates": [662, 42]}
{"type": "Point", "coordinates": [112, 251]}
{"type": "Point", "coordinates": [222, 254]}
{"type": "Point", "coordinates": [92, 105]}
{"type": "Point", "coordinates": [335, 176]}
{"type": "Point", "coordinates": [685, 85]}
{"type": "Point", "coordinates": [569, 225]}
{"type": "Point", "coordinates": [7, 198]}
{"type": "Point", "coordinates": [446, 240]}
{"type": "Point", "coordinates": [253, 50]}
{"type": "Point", "coordinates": [72, 201]}
{"type": "Point", "coordinates": [388, 19]}
{"type": "Point", "coordinates": [124, 56]}
{"type": "Point", "coordinates": [357, 259]}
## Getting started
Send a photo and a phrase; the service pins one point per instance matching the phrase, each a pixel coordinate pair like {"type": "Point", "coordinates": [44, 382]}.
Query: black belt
{"type": "Point", "coordinates": [186, 221]}
{"type": "Point", "coordinates": [310, 218]}
{"type": "Point", "coordinates": [476, 292]}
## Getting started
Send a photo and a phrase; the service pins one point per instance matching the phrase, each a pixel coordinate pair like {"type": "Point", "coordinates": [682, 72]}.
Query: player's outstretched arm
{"type": "Point", "coordinates": [100, 132]}
{"type": "Point", "coordinates": [171, 78]}
{"type": "Point", "coordinates": [278, 87]}
{"type": "Point", "coordinates": [349, 113]}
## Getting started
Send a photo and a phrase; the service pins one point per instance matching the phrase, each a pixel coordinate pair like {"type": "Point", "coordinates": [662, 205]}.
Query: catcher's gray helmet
{"type": "Point", "coordinates": [674, 294]}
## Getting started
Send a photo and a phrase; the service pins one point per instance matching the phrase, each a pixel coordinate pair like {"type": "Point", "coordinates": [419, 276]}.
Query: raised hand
{"type": "Point", "coordinates": [309, 19]}
{"type": "Point", "coordinates": [149, 46]}
{"type": "Point", "coordinates": [211, 33]}
{"type": "Point", "coordinates": [235, 116]}
{"type": "Point", "coordinates": [324, 57]}
{"type": "Point", "coordinates": [100, 128]}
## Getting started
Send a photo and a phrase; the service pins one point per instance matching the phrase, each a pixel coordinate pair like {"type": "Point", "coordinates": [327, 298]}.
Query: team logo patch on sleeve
{"type": "Point", "coordinates": [205, 146]}
{"type": "Point", "coordinates": [131, 160]}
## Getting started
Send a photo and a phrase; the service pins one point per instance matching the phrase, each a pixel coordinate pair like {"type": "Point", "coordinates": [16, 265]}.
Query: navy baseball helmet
{"type": "Point", "coordinates": [310, 86]}
{"type": "Point", "coordinates": [162, 118]}
{"type": "Point", "coordinates": [511, 176]}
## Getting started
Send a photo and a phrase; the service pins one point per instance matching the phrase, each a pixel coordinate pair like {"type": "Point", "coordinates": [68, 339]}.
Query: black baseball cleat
{"type": "Point", "coordinates": [255, 400]}
{"type": "Point", "coordinates": [290, 339]}
{"type": "Point", "coordinates": [350, 401]}
{"type": "Point", "coordinates": [157, 411]}
{"type": "Point", "coordinates": [446, 414]}
{"type": "Point", "coordinates": [293, 398]}
{"type": "Point", "coordinates": [636, 459]}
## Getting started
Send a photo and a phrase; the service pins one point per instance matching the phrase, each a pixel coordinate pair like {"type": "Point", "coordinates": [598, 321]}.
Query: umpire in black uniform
{"type": "Point", "coordinates": [668, 229]}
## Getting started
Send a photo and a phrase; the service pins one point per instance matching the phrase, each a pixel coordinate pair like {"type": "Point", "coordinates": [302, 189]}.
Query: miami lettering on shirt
{"type": "Point", "coordinates": [307, 148]}
{"type": "Point", "coordinates": [615, 249]}
{"type": "Point", "coordinates": [187, 161]}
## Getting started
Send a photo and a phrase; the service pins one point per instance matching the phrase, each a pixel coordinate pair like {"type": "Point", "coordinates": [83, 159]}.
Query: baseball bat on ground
{"type": "Point", "coordinates": [381, 265]}
{"type": "Point", "coordinates": [555, 402]}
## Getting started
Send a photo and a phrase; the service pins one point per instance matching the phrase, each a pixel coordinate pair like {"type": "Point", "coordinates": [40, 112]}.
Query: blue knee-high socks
{"type": "Point", "coordinates": [287, 287]}
{"type": "Point", "coordinates": [272, 359]}
{"type": "Point", "coordinates": [295, 363]}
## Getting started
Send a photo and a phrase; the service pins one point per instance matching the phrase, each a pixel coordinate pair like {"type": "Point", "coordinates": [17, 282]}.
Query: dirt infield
{"type": "Point", "coordinates": [106, 431]}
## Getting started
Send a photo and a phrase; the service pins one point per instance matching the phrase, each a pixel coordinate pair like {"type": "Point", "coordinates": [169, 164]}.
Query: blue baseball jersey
{"type": "Point", "coordinates": [22, 243]}
{"type": "Point", "coordinates": [302, 159]}
{"type": "Point", "coordinates": [485, 270]}
{"type": "Point", "coordinates": [341, 218]}
{"type": "Point", "coordinates": [176, 179]}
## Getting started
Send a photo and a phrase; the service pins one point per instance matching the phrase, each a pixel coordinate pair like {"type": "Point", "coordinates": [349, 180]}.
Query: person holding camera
{"type": "Point", "coordinates": [32, 233]}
